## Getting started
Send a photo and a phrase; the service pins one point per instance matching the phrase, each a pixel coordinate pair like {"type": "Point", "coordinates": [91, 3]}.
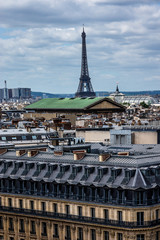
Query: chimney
{"type": "Point", "coordinates": [28, 128]}
{"type": "Point", "coordinates": [3, 150]}
{"type": "Point", "coordinates": [58, 152]}
{"type": "Point", "coordinates": [32, 153]}
{"type": "Point", "coordinates": [20, 153]}
{"type": "Point", "coordinates": [123, 153]}
{"type": "Point", "coordinates": [104, 157]}
{"type": "Point", "coordinates": [79, 154]}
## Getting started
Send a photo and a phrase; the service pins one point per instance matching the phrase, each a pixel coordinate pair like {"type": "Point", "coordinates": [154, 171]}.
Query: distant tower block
{"type": "Point", "coordinates": [85, 88]}
{"type": "Point", "coordinates": [5, 91]}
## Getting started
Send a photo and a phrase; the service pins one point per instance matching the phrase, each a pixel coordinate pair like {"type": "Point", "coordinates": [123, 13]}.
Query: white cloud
{"type": "Point", "coordinates": [41, 41]}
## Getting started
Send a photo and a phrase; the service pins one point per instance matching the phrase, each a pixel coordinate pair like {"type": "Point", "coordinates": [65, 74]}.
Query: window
{"type": "Point", "coordinates": [20, 203]}
{"type": "Point", "coordinates": [11, 227]}
{"type": "Point", "coordinates": [106, 235]}
{"type": "Point", "coordinates": [157, 235]}
{"type": "Point", "coordinates": [79, 211]}
{"type": "Point", "coordinates": [119, 236]}
{"type": "Point", "coordinates": [24, 137]}
{"type": "Point", "coordinates": [93, 234]}
{"type": "Point", "coordinates": [56, 230]}
{"type": "Point", "coordinates": [55, 207]}
{"type": "Point", "coordinates": [33, 227]}
{"type": "Point", "coordinates": [32, 205]}
{"type": "Point", "coordinates": [1, 222]}
{"type": "Point", "coordinates": [44, 229]}
{"type": "Point", "coordinates": [34, 137]}
{"type": "Point", "coordinates": [21, 225]}
{"type": "Point", "coordinates": [68, 233]}
{"type": "Point", "coordinates": [140, 237]}
{"type": "Point", "coordinates": [43, 206]}
{"type": "Point", "coordinates": [119, 216]}
{"type": "Point", "coordinates": [11, 238]}
{"type": "Point", "coordinates": [80, 233]}
{"type": "Point", "coordinates": [139, 197]}
{"type": "Point", "coordinates": [106, 214]}
{"type": "Point", "coordinates": [3, 138]}
{"type": "Point", "coordinates": [67, 209]}
{"type": "Point", "coordinates": [10, 202]}
{"type": "Point", "coordinates": [14, 138]}
{"type": "Point", "coordinates": [1, 237]}
{"type": "Point", "coordinates": [93, 212]}
{"type": "Point", "coordinates": [140, 218]}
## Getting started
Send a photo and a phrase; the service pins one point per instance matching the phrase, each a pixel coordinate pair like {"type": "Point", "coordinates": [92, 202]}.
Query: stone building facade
{"type": "Point", "coordinates": [79, 196]}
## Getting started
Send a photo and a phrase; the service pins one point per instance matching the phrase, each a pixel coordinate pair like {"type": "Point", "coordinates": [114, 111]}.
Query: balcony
{"type": "Point", "coordinates": [82, 219]}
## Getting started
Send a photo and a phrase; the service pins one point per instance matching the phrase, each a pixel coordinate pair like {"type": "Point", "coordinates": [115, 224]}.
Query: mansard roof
{"type": "Point", "coordinates": [126, 172]}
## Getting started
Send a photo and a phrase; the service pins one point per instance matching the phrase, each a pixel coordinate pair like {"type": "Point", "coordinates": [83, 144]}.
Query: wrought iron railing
{"type": "Point", "coordinates": [83, 219]}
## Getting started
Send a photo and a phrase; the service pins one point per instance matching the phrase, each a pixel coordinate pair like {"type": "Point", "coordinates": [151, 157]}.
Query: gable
{"type": "Point", "coordinates": [105, 105]}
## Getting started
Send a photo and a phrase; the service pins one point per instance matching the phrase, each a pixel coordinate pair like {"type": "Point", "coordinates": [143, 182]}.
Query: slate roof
{"type": "Point", "coordinates": [144, 170]}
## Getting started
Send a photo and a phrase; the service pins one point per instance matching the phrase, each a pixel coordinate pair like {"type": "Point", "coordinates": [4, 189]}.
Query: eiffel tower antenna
{"type": "Point", "coordinates": [85, 88]}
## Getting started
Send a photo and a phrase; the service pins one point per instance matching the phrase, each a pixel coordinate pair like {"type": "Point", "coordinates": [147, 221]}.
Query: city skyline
{"type": "Point", "coordinates": [41, 44]}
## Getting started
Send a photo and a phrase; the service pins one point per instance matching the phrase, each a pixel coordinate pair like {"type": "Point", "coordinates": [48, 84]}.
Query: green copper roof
{"type": "Point", "coordinates": [64, 103]}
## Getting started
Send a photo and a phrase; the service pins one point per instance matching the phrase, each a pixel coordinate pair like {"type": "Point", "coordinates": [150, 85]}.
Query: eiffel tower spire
{"type": "Point", "coordinates": [85, 88]}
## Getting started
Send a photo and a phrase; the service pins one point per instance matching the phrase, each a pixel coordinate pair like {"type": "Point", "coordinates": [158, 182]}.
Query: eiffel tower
{"type": "Point", "coordinates": [85, 88]}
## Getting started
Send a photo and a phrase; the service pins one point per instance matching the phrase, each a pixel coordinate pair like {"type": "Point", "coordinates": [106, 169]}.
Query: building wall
{"type": "Point", "coordinates": [144, 137]}
{"type": "Point", "coordinates": [47, 116]}
{"type": "Point", "coordinates": [71, 116]}
{"type": "Point", "coordinates": [120, 137]}
{"type": "Point", "coordinates": [93, 136]}
{"type": "Point", "coordinates": [129, 215]}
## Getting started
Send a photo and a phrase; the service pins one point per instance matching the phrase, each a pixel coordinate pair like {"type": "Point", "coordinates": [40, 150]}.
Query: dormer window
{"type": "Point", "coordinates": [127, 174]}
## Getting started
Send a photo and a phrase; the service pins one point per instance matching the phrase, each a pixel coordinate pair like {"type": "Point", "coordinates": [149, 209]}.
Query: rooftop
{"type": "Point", "coordinates": [64, 103]}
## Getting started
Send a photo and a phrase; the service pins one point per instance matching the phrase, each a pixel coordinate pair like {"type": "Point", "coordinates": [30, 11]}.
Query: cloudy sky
{"type": "Point", "coordinates": [40, 44]}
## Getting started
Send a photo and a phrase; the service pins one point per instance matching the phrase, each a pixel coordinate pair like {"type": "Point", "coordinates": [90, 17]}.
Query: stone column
{"type": "Point", "coordinates": [73, 232]}
{"type": "Point", "coordinates": [61, 231]}
{"type": "Point", "coordinates": [5, 226]}
{"type": "Point", "coordinates": [86, 233]}
{"type": "Point", "coordinates": [132, 236]}
{"type": "Point", "coordinates": [127, 236]}
{"type": "Point", "coordinates": [49, 230]}
{"type": "Point", "coordinates": [16, 227]}
{"type": "Point", "coordinates": [151, 235]}
{"type": "Point", "coordinates": [112, 235]}
{"type": "Point", "coordinates": [99, 234]}
{"type": "Point", "coordinates": [38, 230]}
{"type": "Point", "coordinates": [27, 229]}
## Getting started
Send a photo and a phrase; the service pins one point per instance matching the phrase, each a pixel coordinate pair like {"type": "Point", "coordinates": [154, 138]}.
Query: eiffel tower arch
{"type": "Point", "coordinates": [85, 88]}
